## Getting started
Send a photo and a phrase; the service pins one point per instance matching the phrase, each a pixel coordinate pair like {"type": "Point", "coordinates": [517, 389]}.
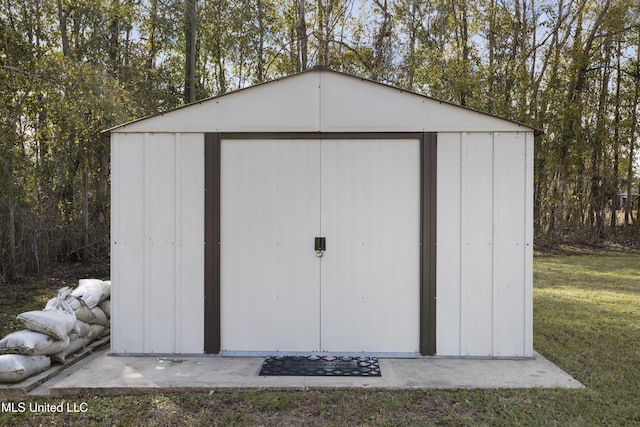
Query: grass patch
{"type": "Point", "coordinates": [586, 320]}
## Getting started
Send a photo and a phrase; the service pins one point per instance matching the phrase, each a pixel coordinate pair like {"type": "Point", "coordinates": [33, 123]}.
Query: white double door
{"type": "Point", "coordinates": [277, 294]}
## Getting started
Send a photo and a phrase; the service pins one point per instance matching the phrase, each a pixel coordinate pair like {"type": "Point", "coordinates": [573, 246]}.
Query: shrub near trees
{"type": "Point", "coordinates": [71, 68]}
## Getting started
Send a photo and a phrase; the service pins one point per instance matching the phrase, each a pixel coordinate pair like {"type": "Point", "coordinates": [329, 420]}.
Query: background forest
{"type": "Point", "coordinates": [72, 68]}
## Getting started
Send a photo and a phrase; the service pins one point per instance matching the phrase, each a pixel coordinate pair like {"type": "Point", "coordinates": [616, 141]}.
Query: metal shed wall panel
{"type": "Point", "coordinates": [127, 242]}
{"type": "Point", "coordinates": [356, 105]}
{"type": "Point", "coordinates": [157, 243]}
{"type": "Point", "coordinates": [509, 206]}
{"type": "Point", "coordinates": [321, 101]}
{"type": "Point", "coordinates": [189, 278]}
{"type": "Point", "coordinates": [160, 240]}
{"type": "Point", "coordinates": [484, 258]}
{"type": "Point", "coordinates": [477, 252]}
{"type": "Point", "coordinates": [448, 262]}
{"type": "Point", "coordinates": [290, 105]}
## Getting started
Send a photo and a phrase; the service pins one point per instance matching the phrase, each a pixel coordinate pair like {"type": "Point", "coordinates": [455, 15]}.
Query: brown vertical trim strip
{"type": "Point", "coordinates": [428, 170]}
{"type": "Point", "coordinates": [212, 243]}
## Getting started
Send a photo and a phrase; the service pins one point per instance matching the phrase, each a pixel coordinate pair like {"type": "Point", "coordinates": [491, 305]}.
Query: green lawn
{"type": "Point", "coordinates": [587, 320]}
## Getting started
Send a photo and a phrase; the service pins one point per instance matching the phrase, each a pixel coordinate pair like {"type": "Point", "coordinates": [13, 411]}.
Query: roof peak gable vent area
{"type": "Point", "coordinates": [321, 100]}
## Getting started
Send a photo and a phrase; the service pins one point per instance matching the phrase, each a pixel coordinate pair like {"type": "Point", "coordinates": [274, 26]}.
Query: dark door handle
{"type": "Point", "coordinates": [321, 244]}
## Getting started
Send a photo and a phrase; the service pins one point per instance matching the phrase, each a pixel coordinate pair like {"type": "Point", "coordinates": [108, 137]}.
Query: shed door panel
{"type": "Point", "coordinates": [363, 197]}
{"type": "Point", "coordinates": [371, 220]}
{"type": "Point", "coordinates": [270, 277]}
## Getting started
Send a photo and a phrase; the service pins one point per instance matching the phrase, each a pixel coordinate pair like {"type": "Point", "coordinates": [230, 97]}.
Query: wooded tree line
{"type": "Point", "coordinates": [71, 68]}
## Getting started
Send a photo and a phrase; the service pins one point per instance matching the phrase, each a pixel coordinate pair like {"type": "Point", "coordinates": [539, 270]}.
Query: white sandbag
{"type": "Point", "coordinates": [89, 282]}
{"type": "Point", "coordinates": [59, 303]}
{"type": "Point", "coordinates": [92, 291]}
{"type": "Point", "coordinates": [99, 318]}
{"type": "Point", "coordinates": [83, 329]}
{"type": "Point", "coordinates": [106, 307]}
{"type": "Point", "coordinates": [107, 289]}
{"type": "Point", "coordinates": [80, 309]}
{"type": "Point", "coordinates": [30, 343]}
{"type": "Point", "coordinates": [95, 333]}
{"type": "Point", "coordinates": [62, 294]}
{"type": "Point", "coordinates": [56, 320]}
{"type": "Point", "coordinates": [15, 368]}
{"type": "Point", "coordinates": [56, 324]}
{"type": "Point", "coordinates": [74, 346]}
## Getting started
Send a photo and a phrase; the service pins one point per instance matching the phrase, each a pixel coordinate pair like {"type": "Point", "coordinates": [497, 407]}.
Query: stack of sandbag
{"type": "Point", "coordinates": [91, 304]}
{"type": "Point", "coordinates": [67, 324]}
{"type": "Point", "coordinates": [47, 332]}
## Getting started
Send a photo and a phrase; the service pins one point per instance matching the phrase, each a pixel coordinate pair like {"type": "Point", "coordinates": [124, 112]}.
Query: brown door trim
{"type": "Point", "coordinates": [428, 173]}
{"type": "Point", "coordinates": [212, 243]}
{"type": "Point", "coordinates": [428, 170]}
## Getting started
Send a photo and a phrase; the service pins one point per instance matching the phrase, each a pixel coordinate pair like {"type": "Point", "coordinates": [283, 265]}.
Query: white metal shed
{"type": "Point", "coordinates": [322, 213]}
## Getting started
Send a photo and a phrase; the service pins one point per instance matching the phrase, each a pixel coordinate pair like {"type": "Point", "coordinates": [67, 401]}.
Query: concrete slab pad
{"type": "Point", "coordinates": [101, 374]}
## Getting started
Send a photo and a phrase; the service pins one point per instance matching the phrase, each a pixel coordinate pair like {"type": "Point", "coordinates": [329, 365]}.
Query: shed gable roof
{"type": "Point", "coordinates": [320, 100]}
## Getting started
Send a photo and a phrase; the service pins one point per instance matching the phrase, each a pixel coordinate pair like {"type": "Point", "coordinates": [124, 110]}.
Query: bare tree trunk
{"type": "Point", "coordinates": [222, 79]}
{"type": "Point", "coordinates": [557, 223]}
{"type": "Point", "coordinates": [464, 92]}
{"type": "Point", "coordinates": [302, 38]}
{"type": "Point", "coordinates": [36, 255]}
{"type": "Point", "coordinates": [64, 36]}
{"type": "Point", "coordinates": [190, 63]}
{"type": "Point", "coordinates": [260, 65]}
{"type": "Point", "coordinates": [322, 42]}
{"type": "Point", "coordinates": [114, 28]}
{"type": "Point", "coordinates": [102, 186]}
{"type": "Point", "coordinates": [13, 267]}
{"type": "Point", "coordinates": [380, 51]}
{"type": "Point", "coordinates": [616, 143]}
{"type": "Point", "coordinates": [12, 228]}
{"type": "Point", "coordinates": [84, 253]}
{"type": "Point", "coordinates": [151, 59]}
{"type": "Point", "coordinates": [491, 40]}
{"type": "Point", "coordinates": [598, 180]}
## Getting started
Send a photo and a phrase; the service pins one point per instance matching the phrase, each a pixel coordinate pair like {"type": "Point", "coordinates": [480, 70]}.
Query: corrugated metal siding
{"type": "Point", "coordinates": [448, 261]}
{"type": "Point", "coordinates": [157, 243]}
{"type": "Point", "coordinates": [127, 242]}
{"type": "Point", "coordinates": [484, 259]}
{"type": "Point", "coordinates": [476, 251]}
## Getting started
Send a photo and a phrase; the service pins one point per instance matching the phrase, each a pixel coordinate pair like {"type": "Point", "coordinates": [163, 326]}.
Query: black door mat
{"type": "Point", "coordinates": [321, 366]}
